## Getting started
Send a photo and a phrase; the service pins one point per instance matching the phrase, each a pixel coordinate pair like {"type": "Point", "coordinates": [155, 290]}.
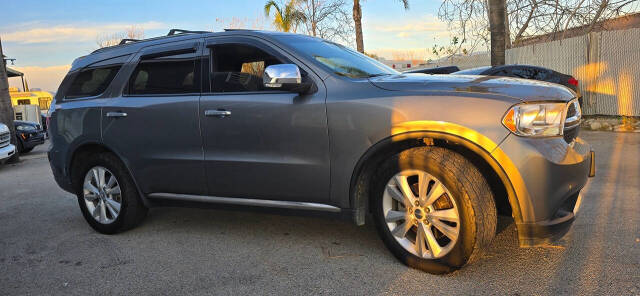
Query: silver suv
{"type": "Point", "coordinates": [6, 148]}
{"type": "Point", "coordinates": [262, 119]}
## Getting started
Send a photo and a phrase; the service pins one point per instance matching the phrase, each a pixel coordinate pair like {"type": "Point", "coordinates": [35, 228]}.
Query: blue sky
{"type": "Point", "coordinates": [47, 35]}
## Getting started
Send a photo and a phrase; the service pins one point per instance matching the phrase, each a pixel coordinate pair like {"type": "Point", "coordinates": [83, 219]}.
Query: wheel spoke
{"type": "Point", "coordinates": [111, 182]}
{"type": "Point", "coordinates": [401, 230]}
{"type": "Point", "coordinates": [90, 196]}
{"type": "Point", "coordinates": [403, 185]}
{"type": "Point", "coordinates": [436, 191]}
{"type": "Point", "coordinates": [421, 239]}
{"type": "Point", "coordinates": [103, 212]}
{"type": "Point", "coordinates": [96, 178]}
{"type": "Point", "coordinates": [397, 195]}
{"type": "Point", "coordinates": [89, 187]}
{"type": "Point", "coordinates": [423, 184]}
{"type": "Point", "coordinates": [96, 210]}
{"type": "Point", "coordinates": [450, 215]}
{"type": "Point", "coordinates": [113, 204]}
{"type": "Point", "coordinates": [112, 210]}
{"type": "Point", "coordinates": [434, 247]}
{"type": "Point", "coordinates": [395, 216]}
{"type": "Point", "coordinates": [101, 172]}
{"type": "Point", "coordinates": [113, 191]}
{"type": "Point", "coordinates": [449, 231]}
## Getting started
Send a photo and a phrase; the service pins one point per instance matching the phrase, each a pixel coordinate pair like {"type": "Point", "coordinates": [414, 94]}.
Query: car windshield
{"type": "Point", "coordinates": [339, 59]}
{"type": "Point", "coordinates": [473, 71]}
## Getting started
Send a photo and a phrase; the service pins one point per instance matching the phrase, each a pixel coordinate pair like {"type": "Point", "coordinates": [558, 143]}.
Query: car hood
{"type": "Point", "coordinates": [522, 89]}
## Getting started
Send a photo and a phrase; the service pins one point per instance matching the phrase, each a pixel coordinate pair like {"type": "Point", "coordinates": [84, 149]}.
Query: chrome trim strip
{"type": "Point", "coordinates": [247, 202]}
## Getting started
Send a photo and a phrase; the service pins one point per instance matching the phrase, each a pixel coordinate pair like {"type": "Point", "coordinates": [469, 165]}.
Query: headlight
{"type": "Point", "coordinates": [536, 119]}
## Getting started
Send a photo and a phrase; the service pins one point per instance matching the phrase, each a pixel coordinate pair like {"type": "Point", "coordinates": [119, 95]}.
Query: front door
{"type": "Point", "coordinates": [154, 124]}
{"type": "Point", "coordinates": [261, 143]}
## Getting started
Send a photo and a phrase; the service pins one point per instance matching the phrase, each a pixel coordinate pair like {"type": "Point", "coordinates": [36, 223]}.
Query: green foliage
{"type": "Point", "coordinates": [285, 20]}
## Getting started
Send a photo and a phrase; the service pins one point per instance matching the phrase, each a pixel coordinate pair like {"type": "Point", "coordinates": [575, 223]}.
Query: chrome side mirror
{"type": "Point", "coordinates": [284, 77]}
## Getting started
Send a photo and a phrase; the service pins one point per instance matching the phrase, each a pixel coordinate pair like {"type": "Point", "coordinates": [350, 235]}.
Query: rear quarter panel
{"type": "Point", "coordinates": [72, 124]}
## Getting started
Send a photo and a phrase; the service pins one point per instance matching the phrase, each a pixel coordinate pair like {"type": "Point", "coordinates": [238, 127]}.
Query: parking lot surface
{"type": "Point", "coordinates": [46, 247]}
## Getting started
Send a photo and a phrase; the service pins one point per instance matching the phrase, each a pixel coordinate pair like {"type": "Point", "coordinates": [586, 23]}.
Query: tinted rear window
{"type": "Point", "coordinates": [166, 75]}
{"type": "Point", "coordinates": [92, 82]}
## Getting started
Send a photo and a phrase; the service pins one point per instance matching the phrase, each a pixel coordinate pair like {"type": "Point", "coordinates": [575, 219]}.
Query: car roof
{"type": "Point", "coordinates": [25, 122]}
{"type": "Point", "coordinates": [130, 46]}
{"type": "Point", "coordinates": [473, 71]}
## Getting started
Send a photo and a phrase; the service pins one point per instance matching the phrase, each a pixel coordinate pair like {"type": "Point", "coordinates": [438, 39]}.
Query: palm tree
{"type": "Point", "coordinates": [6, 110]}
{"type": "Point", "coordinates": [497, 27]}
{"type": "Point", "coordinates": [357, 19]}
{"type": "Point", "coordinates": [286, 20]}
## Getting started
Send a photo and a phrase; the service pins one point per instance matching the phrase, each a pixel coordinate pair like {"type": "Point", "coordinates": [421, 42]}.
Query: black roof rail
{"type": "Point", "coordinates": [232, 29]}
{"type": "Point", "coordinates": [180, 31]}
{"type": "Point", "coordinates": [125, 41]}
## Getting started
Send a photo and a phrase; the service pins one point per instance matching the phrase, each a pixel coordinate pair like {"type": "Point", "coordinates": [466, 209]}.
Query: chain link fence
{"type": "Point", "coordinates": [607, 65]}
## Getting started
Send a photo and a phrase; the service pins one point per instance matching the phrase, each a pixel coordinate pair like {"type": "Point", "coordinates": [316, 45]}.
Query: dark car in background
{"type": "Point", "coordinates": [29, 134]}
{"type": "Point", "coordinates": [527, 72]}
{"type": "Point", "coordinates": [436, 70]}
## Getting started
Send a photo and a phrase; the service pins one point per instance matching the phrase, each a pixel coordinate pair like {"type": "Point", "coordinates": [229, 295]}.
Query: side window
{"type": "Point", "coordinates": [526, 73]}
{"type": "Point", "coordinates": [239, 67]}
{"type": "Point", "coordinates": [92, 82]}
{"type": "Point", "coordinates": [541, 74]}
{"type": "Point", "coordinates": [502, 72]}
{"type": "Point", "coordinates": [178, 74]}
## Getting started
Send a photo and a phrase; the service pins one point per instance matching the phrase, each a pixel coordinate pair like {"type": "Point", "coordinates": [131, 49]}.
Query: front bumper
{"type": "Point", "coordinates": [33, 140]}
{"type": "Point", "coordinates": [552, 173]}
{"type": "Point", "coordinates": [6, 152]}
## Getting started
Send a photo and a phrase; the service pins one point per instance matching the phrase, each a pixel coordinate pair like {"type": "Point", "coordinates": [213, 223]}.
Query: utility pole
{"type": "Point", "coordinates": [6, 110]}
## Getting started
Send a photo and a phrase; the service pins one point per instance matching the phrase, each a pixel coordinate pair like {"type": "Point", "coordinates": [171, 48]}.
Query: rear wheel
{"type": "Point", "coordinates": [433, 209]}
{"type": "Point", "coordinates": [106, 194]}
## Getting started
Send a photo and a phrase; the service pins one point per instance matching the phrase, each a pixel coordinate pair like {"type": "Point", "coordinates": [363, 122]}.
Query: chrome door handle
{"type": "Point", "coordinates": [116, 114]}
{"type": "Point", "coordinates": [217, 113]}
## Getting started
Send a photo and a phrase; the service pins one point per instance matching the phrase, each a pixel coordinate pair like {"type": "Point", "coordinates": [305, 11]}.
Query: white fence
{"type": "Point", "coordinates": [607, 64]}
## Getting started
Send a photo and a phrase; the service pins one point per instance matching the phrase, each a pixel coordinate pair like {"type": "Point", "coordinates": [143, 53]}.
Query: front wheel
{"type": "Point", "coordinates": [106, 194]}
{"type": "Point", "coordinates": [433, 209]}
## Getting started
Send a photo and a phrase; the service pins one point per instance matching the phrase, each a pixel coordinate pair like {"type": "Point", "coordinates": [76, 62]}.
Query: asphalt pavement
{"type": "Point", "coordinates": [46, 247]}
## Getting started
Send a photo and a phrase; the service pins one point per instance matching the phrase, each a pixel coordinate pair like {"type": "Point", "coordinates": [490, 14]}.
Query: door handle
{"type": "Point", "coordinates": [217, 113]}
{"type": "Point", "coordinates": [116, 114]}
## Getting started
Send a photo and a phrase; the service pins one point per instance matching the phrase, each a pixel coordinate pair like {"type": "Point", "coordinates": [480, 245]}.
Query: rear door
{"type": "Point", "coordinates": [272, 144]}
{"type": "Point", "coordinates": [154, 124]}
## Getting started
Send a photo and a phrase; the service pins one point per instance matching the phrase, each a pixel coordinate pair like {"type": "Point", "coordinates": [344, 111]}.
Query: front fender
{"type": "Point", "coordinates": [482, 146]}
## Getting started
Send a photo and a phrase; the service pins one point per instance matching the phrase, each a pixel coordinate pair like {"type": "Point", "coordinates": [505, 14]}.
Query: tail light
{"type": "Point", "coordinates": [573, 81]}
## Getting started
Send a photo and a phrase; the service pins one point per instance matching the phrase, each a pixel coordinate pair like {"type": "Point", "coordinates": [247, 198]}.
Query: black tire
{"type": "Point", "coordinates": [20, 146]}
{"type": "Point", "coordinates": [132, 210]}
{"type": "Point", "coordinates": [469, 189]}
{"type": "Point", "coordinates": [26, 150]}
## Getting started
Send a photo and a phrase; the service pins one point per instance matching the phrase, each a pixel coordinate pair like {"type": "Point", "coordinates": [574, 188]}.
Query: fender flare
{"type": "Point", "coordinates": [72, 153]}
{"type": "Point", "coordinates": [472, 140]}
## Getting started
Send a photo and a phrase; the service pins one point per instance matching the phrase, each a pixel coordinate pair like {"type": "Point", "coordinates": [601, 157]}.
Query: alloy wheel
{"type": "Point", "coordinates": [102, 196]}
{"type": "Point", "coordinates": [421, 214]}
